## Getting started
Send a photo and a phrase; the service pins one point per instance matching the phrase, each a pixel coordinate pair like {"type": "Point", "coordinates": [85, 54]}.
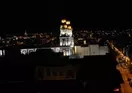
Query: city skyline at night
{"type": "Point", "coordinates": [66, 46]}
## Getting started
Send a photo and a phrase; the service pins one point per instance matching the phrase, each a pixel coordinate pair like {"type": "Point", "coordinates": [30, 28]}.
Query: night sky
{"type": "Point", "coordinates": [85, 15]}
{"type": "Point", "coordinates": [46, 17]}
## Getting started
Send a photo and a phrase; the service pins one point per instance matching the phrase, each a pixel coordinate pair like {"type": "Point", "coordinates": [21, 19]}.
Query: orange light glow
{"type": "Point", "coordinates": [68, 22]}
{"type": "Point", "coordinates": [63, 21]}
{"type": "Point", "coordinates": [69, 27]}
{"type": "Point", "coordinates": [65, 26]}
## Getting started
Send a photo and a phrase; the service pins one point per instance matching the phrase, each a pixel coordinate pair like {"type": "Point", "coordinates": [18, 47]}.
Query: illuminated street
{"type": "Point", "coordinates": [125, 87]}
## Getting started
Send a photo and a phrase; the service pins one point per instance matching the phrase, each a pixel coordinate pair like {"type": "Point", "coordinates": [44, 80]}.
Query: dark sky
{"type": "Point", "coordinates": [15, 18]}
{"type": "Point", "coordinates": [84, 15]}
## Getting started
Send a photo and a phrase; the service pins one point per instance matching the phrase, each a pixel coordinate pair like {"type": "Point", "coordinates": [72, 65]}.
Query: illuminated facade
{"type": "Point", "coordinates": [91, 50]}
{"type": "Point", "coordinates": [66, 37]}
{"type": "Point", "coordinates": [27, 51]}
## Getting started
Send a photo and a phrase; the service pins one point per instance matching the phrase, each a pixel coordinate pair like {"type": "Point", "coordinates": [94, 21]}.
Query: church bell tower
{"type": "Point", "coordinates": [66, 37]}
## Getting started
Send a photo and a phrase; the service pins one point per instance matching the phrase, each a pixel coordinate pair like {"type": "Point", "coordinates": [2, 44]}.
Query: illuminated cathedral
{"type": "Point", "coordinates": [66, 37]}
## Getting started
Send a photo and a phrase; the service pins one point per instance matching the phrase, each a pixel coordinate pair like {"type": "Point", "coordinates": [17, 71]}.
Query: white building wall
{"type": "Point", "coordinates": [67, 41]}
{"type": "Point", "coordinates": [94, 50]}
{"type": "Point", "coordinates": [85, 51]}
{"type": "Point", "coordinates": [81, 51]}
{"type": "Point", "coordinates": [77, 49]}
{"type": "Point", "coordinates": [103, 50]}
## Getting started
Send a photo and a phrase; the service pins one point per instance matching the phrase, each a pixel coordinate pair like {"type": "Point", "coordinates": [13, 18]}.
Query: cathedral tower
{"type": "Point", "coordinates": [66, 37]}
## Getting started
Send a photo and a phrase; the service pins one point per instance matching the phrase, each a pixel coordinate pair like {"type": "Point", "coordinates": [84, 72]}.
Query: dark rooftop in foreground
{"type": "Point", "coordinates": [99, 71]}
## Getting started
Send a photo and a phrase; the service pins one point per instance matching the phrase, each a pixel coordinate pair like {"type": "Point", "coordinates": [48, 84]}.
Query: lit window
{"type": "Point", "coordinates": [70, 74]}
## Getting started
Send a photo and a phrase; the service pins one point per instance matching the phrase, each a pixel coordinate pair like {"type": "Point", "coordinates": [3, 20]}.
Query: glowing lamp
{"type": "Point", "coordinates": [68, 22]}
{"type": "Point", "coordinates": [63, 21]}
{"type": "Point", "coordinates": [65, 26]}
{"type": "Point", "coordinates": [117, 89]}
{"type": "Point", "coordinates": [69, 27]}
